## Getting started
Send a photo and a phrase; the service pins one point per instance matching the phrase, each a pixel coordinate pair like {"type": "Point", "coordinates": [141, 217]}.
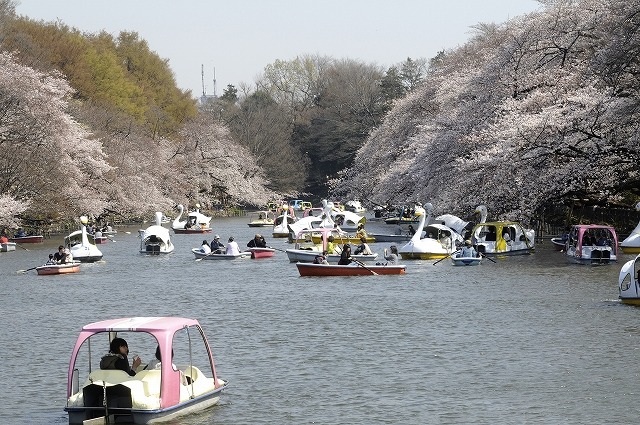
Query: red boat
{"type": "Point", "coordinates": [58, 269]}
{"type": "Point", "coordinates": [28, 239]}
{"type": "Point", "coordinates": [261, 252]}
{"type": "Point", "coordinates": [311, 269]}
{"type": "Point", "coordinates": [192, 230]}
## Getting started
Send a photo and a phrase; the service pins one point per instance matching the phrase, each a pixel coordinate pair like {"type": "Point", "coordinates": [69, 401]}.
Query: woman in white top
{"type": "Point", "coordinates": [232, 247]}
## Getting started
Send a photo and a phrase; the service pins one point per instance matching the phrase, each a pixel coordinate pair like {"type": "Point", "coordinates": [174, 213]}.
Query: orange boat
{"type": "Point", "coordinates": [257, 252]}
{"type": "Point", "coordinates": [48, 269]}
{"type": "Point", "coordinates": [311, 269]}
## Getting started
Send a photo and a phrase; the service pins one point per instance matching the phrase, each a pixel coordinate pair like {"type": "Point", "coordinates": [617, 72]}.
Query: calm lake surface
{"type": "Point", "coordinates": [528, 340]}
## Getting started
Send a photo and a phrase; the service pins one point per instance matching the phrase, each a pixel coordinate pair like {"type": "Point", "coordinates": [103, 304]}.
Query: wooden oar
{"type": "Point", "coordinates": [21, 246]}
{"type": "Point", "coordinates": [24, 271]}
{"type": "Point", "coordinates": [448, 256]}
{"type": "Point", "coordinates": [361, 264]}
{"type": "Point", "coordinates": [490, 259]}
{"type": "Point", "coordinates": [200, 259]}
{"type": "Point", "coordinates": [277, 249]}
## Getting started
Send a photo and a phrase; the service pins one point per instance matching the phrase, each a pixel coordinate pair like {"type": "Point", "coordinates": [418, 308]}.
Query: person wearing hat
{"type": "Point", "coordinates": [468, 250]}
{"type": "Point", "coordinates": [232, 247]}
{"type": "Point", "coordinates": [361, 232]}
{"type": "Point", "coordinates": [257, 242]}
{"type": "Point", "coordinates": [392, 258]}
{"type": "Point", "coordinates": [216, 246]}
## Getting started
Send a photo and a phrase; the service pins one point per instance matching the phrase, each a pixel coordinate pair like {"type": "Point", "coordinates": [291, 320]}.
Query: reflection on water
{"type": "Point", "coordinates": [528, 339]}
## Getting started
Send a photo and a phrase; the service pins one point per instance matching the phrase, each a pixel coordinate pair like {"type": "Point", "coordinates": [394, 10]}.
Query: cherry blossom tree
{"type": "Point", "coordinates": [527, 113]}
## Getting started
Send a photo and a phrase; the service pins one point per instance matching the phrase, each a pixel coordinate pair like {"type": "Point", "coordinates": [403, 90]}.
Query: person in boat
{"type": "Point", "coordinates": [412, 231]}
{"type": "Point", "coordinates": [51, 261]}
{"type": "Point", "coordinates": [205, 248]}
{"type": "Point", "coordinates": [20, 233]}
{"type": "Point", "coordinates": [468, 250]}
{"type": "Point", "coordinates": [4, 238]}
{"type": "Point", "coordinates": [63, 255]}
{"type": "Point", "coordinates": [321, 259]}
{"type": "Point", "coordinates": [331, 248]}
{"type": "Point", "coordinates": [363, 248]}
{"type": "Point", "coordinates": [232, 247]}
{"type": "Point", "coordinates": [116, 358]}
{"type": "Point", "coordinates": [216, 246]}
{"type": "Point", "coordinates": [257, 242]}
{"type": "Point", "coordinates": [391, 257]}
{"type": "Point", "coordinates": [345, 256]}
{"type": "Point", "coordinates": [156, 364]}
{"type": "Point", "coordinates": [361, 232]}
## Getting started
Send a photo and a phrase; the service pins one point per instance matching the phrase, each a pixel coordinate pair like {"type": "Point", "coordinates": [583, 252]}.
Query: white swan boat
{"type": "Point", "coordinates": [79, 245]}
{"type": "Point", "coordinates": [501, 237]}
{"type": "Point", "coordinates": [196, 222]}
{"type": "Point", "coordinates": [631, 244]}
{"type": "Point", "coordinates": [629, 282]}
{"type": "Point", "coordinates": [155, 239]}
{"type": "Point", "coordinates": [186, 384]}
{"type": "Point", "coordinates": [285, 217]}
{"type": "Point", "coordinates": [439, 241]}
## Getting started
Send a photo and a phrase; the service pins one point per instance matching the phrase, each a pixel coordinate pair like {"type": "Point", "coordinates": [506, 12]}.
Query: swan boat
{"type": "Point", "coordinates": [629, 282]}
{"type": "Point", "coordinates": [439, 242]}
{"type": "Point", "coordinates": [79, 245]}
{"type": "Point", "coordinates": [285, 217]}
{"type": "Point", "coordinates": [501, 237]}
{"type": "Point", "coordinates": [354, 206]}
{"type": "Point", "coordinates": [306, 250]}
{"type": "Point", "coordinates": [187, 384]}
{"type": "Point", "coordinates": [327, 217]}
{"type": "Point", "coordinates": [353, 269]}
{"type": "Point", "coordinates": [155, 239]}
{"type": "Point", "coordinates": [261, 219]}
{"type": "Point", "coordinates": [196, 222]}
{"type": "Point", "coordinates": [50, 269]}
{"type": "Point", "coordinates": [592, 244]}
{"type": "Point", "coordinates": [211, 256]}
{"type": "Point", "coordinates": [631, 244]}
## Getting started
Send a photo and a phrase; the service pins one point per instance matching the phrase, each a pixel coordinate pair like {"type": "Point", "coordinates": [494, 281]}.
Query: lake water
{"type": "Point", "coordinates": [528, 340]}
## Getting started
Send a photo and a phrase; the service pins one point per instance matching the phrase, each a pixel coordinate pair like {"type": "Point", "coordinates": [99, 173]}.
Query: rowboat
{"type": "Point", "coordinates": [261, 252]}
{"type": "Point", "coordinates": [187, 383]}
{"type": "Point", "coordinates": [7, 246]}
{"type": "Point", "coordinates": [211, 256]}
{"type": "Point", "coordinates": [196, 222]}
{"type": "Point", "coordinates": [99, 240]}
{"type": "Point", "coordinates": [629, 282]}
{"type": "Point", "coordinates": [559, 244]}
{"type": "Point", "coordinates": [592, 244]}
{"type": "Point", "coordinates": [631, 244]}
{"type": "Point", "coordinates": [27, 239]}
{"type": "Point", "coordinates": [49, 269]}
{"type": "Point", "coordinates": [353, 269]}
{"type": "Point", "coordinates": [458, 260]}
{"type": "Point", "coordinates": [155, 239]}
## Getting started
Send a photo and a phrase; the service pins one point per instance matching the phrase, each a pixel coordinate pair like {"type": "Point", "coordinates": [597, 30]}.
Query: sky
{"type": "Point", "coordinates": [236, 39]}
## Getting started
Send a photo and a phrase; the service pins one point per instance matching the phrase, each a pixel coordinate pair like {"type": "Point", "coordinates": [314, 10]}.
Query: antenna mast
{"type": "Point", "coordinates": [214, 82]}
{"type": "Point", "coordinates": [204, 93]}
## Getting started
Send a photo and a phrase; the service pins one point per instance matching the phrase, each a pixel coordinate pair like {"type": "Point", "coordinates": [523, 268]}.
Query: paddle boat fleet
{"type": "Point", "coordinates": [164, 391]}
